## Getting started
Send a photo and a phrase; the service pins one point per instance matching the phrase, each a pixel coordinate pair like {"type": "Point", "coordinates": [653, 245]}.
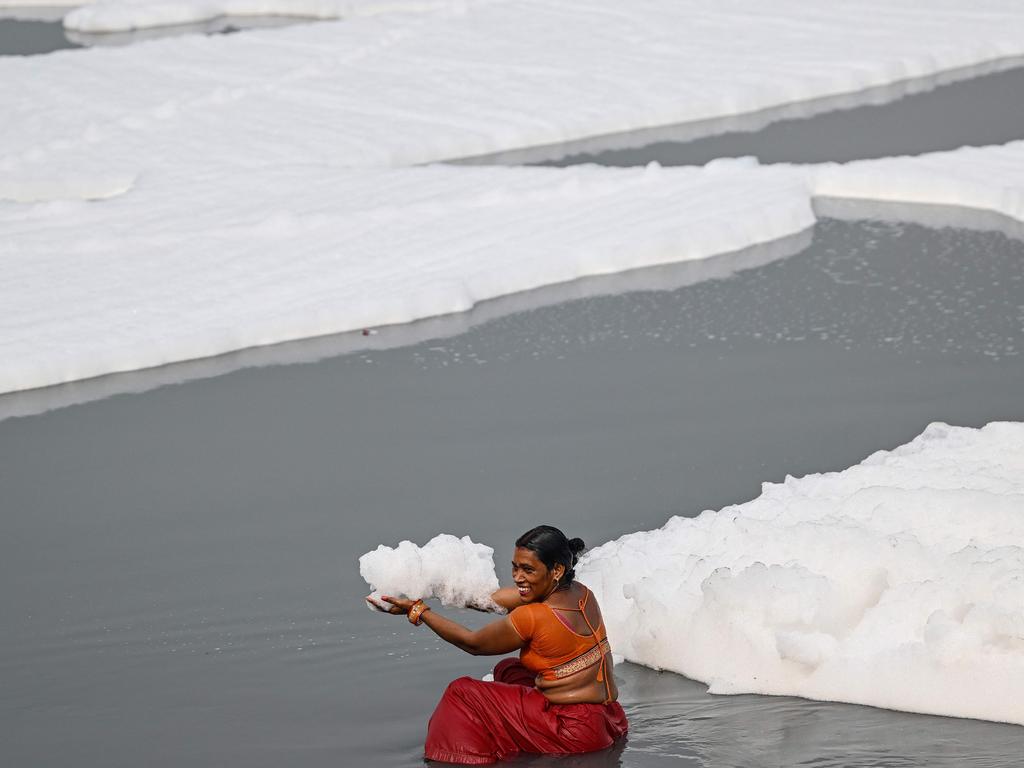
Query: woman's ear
{"type": "Point", "coordinates": [558, 571]}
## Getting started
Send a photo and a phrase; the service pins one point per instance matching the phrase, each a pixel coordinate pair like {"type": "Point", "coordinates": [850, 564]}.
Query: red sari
{"type": "Point", "coordinates": [479, 722]}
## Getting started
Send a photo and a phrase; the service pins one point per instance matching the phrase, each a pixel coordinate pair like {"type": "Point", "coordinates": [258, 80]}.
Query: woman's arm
{"type": "Point", "coordinates": [492, 639]}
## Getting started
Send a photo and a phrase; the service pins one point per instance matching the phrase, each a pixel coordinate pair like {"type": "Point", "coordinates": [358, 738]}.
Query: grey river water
{"type": "Point", "coordinates": [987, 109]}
{"type": "Point", "coordinates": [971, 107]}
{"type": "Point", "coordinates": [32, 37]}
{"type": "Point", "coordinates": [179, 565]}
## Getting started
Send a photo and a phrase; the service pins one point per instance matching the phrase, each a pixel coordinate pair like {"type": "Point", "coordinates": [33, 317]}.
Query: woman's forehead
{"type": "Point", "coordinates": [524, 556]}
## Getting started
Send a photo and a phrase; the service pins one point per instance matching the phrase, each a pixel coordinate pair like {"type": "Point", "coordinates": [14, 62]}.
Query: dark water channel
{"type": "Point", "coordinates": [909, 118]}
{"type": "Point", "coordinates": [179, 566]}
{"type": "Point", "coordinates": [33, 37]}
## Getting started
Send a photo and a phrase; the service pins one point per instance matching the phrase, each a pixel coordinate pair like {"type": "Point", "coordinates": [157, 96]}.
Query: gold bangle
{"type": "Point", "coordinates": [416, 612]}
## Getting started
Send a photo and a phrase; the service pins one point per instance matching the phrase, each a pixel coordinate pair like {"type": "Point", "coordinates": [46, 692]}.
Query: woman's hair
{"type": "Point", "coordinates": [551, 546]}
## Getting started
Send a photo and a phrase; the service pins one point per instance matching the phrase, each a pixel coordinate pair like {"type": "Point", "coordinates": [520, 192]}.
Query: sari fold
{"type": "Point", "coordinates": [478, 722]}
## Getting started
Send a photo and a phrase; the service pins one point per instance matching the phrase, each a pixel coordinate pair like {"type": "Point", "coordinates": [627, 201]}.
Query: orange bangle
{"type": "Point", "coordinates": [416, 612]}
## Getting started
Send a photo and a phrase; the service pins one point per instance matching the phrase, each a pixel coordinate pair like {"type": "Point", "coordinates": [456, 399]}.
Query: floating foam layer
{"type": "Point", "coordinates": [455, 571]}
{"type": "Point", "coordinates": [185, 267]}
{"type": "Point", "coordinates": [375, 91]}
{"type": "Point", "coordinates": [20, 8]}
{"type": "Point", "coordinates": [896, 583]}
{"type": "Point", "coordinates": [668, 277]}
{"type": "Point", "coordinates": [32, 12]}
{"type": "Point", "coordinates": [225, 213]}
{"type": "Point", "coordinates": [26, 188]}
{"type": "Point", "coordinates": [986, 178]}
{"type": "Point", "coordinates": [180, 267]}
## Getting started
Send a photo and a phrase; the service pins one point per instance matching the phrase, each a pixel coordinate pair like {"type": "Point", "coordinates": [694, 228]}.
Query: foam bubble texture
{"type": "Point", "coordinates": [456, 571]}
{"type": "Point", "coordinates": [896, 583]}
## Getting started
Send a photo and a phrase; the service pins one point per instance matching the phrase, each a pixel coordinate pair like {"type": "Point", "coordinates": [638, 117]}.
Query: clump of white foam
{"type": "Point", "coordinates": [984, 178]}
{"type": "Point", "coordinates": [455, 571]}
{"type": "Point", "coordinates": [897, 583]}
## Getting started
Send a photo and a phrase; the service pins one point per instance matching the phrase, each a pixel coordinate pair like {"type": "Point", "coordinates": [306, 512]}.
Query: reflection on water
{"type": "Point", "coordinates": [613, 757]}
{"type": "Point", "coordinates": [677, 721]}
{"type": "Point", "coordinates": [180, 566]}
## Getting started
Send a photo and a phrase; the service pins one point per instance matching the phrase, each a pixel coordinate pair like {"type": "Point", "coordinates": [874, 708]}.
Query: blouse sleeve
{"type": "Point", "coordinates": [523, 621]}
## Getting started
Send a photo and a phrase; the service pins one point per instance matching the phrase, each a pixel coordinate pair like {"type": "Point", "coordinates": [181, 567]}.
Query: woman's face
{"type": "Point", "coordinates": [532, 578]}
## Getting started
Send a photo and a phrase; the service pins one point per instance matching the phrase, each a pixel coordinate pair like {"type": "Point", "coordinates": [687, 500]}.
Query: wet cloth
{"type": "Point", "coordinates": [478, 722]}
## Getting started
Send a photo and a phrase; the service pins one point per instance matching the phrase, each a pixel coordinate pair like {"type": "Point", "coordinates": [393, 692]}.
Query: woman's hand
{"type": "Point", "coordinates": [396, 606]}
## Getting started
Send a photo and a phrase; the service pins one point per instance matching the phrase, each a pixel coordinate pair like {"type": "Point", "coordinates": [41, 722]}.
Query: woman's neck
{"type": "Point", "coordinates": [559, 589]}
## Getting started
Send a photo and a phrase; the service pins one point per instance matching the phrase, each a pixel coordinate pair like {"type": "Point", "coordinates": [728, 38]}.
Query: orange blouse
{"type": "Point", "coordinates": [552, 649]}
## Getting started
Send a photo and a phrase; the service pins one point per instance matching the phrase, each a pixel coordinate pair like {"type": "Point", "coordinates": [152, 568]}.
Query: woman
{"type": "Point", "coordinates": [560, 696]}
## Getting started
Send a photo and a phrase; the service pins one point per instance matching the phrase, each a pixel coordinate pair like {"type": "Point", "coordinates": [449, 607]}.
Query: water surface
{"type": "Point", "coordinates": [31, 37]}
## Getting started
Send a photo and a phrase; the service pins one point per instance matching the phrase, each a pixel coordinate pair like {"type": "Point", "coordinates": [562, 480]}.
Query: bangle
{"type": "Point", "coordinates": [416, 612]}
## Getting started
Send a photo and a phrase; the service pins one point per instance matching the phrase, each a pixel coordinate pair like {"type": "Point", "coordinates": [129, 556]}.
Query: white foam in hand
{"type": "Point", "coordinates": [455, 571]}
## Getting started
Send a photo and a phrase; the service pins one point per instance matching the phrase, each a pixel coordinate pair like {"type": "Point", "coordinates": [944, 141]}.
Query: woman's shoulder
{"type": "Point", "coordinates": [526, 618]}
{"type": "Point", "coordinates": [527, 609]}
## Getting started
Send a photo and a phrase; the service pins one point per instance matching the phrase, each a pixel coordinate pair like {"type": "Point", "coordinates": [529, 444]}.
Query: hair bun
{"type": "Point", "coordinates": [576, 546]}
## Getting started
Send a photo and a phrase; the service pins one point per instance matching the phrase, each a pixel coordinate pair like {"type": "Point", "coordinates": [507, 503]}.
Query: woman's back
{"type": "Point", "coordinates": [567, 647]}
